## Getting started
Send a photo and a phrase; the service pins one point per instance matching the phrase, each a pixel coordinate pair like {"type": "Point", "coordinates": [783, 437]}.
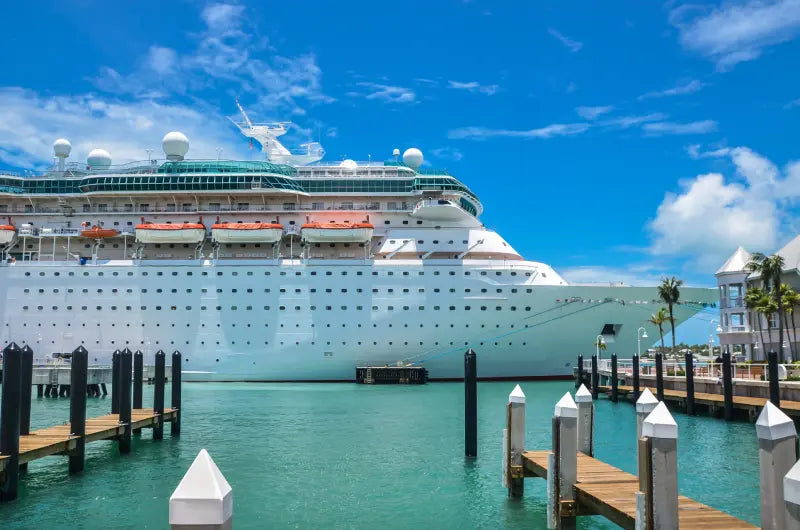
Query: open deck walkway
{"type": "Point", "coordinates": [602, 489]}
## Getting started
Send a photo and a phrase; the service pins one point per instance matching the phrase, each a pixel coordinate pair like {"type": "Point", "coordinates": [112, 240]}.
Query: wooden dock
{"type": "Point", "coordinates": [751, 405]}
{"type": "Point", "coordinates": [602, 489]}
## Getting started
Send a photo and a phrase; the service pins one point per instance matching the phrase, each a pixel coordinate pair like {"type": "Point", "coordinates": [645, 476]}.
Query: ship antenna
{"type": "Point", "coordinates": [246, 118]}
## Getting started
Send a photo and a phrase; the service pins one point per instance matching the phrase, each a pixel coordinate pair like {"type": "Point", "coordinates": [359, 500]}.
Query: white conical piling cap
{"type": "Point", "coordinates": [791, 484]}
{"type": "Point", "coordinates": [203, 496]}
{"type": "Point", "coordinates": [774, 424]}
{"type": "Point", "coordinates": [583, 395]}
{"type": "Point", "coordinates": [517, 395]}
{"type": "Point", "coordinates": [566, 407]}
{"type": "Point", "coordinates": [660, 424]}
{"type": "Point", "coordinates": [646, 402]}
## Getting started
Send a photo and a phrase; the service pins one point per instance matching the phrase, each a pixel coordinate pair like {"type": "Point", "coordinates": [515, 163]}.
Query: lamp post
{"type": "Point", "coordinates": [600, 340]}
{"type": "Point", "coordinates": [641, 333]}
{"type": "Point", "coordinates": [711, 336]}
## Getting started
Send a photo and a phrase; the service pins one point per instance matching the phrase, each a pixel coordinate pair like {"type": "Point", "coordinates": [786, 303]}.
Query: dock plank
{"type": "Point", "coordinates": [606, 490]}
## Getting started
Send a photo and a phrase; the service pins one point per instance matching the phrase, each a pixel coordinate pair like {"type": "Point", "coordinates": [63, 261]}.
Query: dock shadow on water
{"type": "Point", "coordinates": [351, 456]}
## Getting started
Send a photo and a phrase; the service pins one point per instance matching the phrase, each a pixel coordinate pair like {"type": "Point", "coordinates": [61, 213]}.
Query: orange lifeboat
{"type": "Point", "coordinates": [317, 232]}
{"type": "Point", "coordinates": [98, 232]}
{"type": "Point", "coordinates": [170, 233]}
{"type": "Point", "coordinates": [7, 233]}
{"type": "Point", "coordinates": [246, 232]}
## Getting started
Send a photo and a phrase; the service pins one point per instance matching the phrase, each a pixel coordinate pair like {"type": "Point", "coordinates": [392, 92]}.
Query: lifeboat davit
{"type": "Point", "coordinates": [7, 233]}
{"type": "Point", "coordinates": [317, 232]}
{"type": "Point", "coordinates": [170, 233]}
{"type": "Point", "coordinates": [246, 232]}
{"type": "Point", "coordinates": [98, 232]}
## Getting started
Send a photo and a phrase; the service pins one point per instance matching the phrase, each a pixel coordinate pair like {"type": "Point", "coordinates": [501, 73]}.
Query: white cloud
{"type": "Point", "coordinates": [680, 90]}
{"type": "Point", "coordinates": [474, 87]}
{"type": "Point", "coordinates": [667, 127]}
{"type": "Point", "coordinates": [792, 104]}
{"type": "Point", "coordinates": [626, 122]}
{"type": "Point", "coordinates": [572, 45]}
{"type": "Point", "coordinates": [385, 93]}
{"type": "Point", "coordinates": [447, 153]}
{"type": "Point", "coordinates": [590, 113]}
{"type": "Point", "coordinates": [736, 32]}
{"type": "Point", "coordinates": [711, 216]}
{"type": "Point", "coordinates": [549, 131]}
{"type": "Point", "coordinates": [695, 152]}
{"type": "Point", "coordinates": [30, 122]}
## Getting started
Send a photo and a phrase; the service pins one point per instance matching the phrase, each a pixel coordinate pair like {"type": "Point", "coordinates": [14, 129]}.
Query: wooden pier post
{"type": "Point", "coordinates": [774, 382]}
{"type": "Point", "coordinates": [635, 375]}
{"type": "Point", "coordinates": [158, 395]}
{"type": "Point", "coordinates": [175, 426]}
{"type": "Point", "coordinates": [514, 443]}
{"type": "Point", "coordinates": [689, 360]}
{"type": "Point", "coordinates": [79, 371]}
{"type": "Point", "coordinates": [659, 377]}
{"type": "Point", "coordinates": [595, 377]}
{"type": "Point", "coordinates": [583, 398]}
{"type": "Point", "coordinates": [9, 420]}
{"type": "Point", "coordinates": [203, 499]}
{"type": "Point", "coordinates": [470, 404]}
{"type": "Point", "coordinates": [614, 379]}
{"type": "Point", "coordinates": [566, 456]}
{"type": "Point", "coordinates": [727, 385]}
{"type": "Point", "coordinates": [791, 497]}
{"type": "Point", "coordinates": [115, 382]}
{"type": "Point", "coordinates": [125, 370]}
{"type": "Point", "coordinates": [579, 380]}
{"type": "Point", "coordinates": [777, 438]}
{"type": "Point", "coordinates": [644, 406]}
{"type": "Point", "coordinates": [662, 431]}
{"type": "Point", "coordinates": [138, 370]}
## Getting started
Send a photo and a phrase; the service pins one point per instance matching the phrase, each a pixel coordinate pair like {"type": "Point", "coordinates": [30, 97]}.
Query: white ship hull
{"type": "Point", "coordinates": [312, 321]}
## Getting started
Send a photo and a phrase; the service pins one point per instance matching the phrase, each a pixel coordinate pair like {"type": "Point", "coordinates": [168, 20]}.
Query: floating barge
{"type": "Point", "coordinates": [385, 374]}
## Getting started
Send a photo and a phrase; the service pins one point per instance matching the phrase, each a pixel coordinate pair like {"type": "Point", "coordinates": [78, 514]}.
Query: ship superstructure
{"type": "Point", "coordinates": [258, 270]}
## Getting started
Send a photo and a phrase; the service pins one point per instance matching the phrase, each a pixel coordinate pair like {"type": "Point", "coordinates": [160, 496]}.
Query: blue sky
{"type": "Point", "coordinates": [615, 141]}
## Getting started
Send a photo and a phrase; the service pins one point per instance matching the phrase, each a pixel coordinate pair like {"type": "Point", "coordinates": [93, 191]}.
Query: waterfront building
{"type": "Point", "coordinates": [747, 331]}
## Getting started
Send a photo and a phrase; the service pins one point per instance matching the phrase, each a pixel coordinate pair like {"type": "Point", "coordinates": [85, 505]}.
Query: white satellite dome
{"type": "Point", "coordinates": [99, 159]}
{"type": "Point", "coordinates": [413, 158]}
{"type": "Point", "coordinates": [62, 147]}
{"type": "Point", "coordinates": [348, 164]}
{"type": "Point", "coordinates": [396, 152]}
{"type": "Point", "coordinates": [175, 145]}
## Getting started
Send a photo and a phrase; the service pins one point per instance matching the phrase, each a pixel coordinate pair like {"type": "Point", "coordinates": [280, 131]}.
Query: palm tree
{"type": "Point", "coordinates": [658, 319]}
{"type": "Point", "coordinates": [766, 306]}
{"type": "Point", "coordinates": [790, 299]}
{"type": "Point", "coordinates": [670, 294]}
{"type": "Point", "coordinates": [770, 269]}
{"type": "Point", "coordinates": [752, 301]}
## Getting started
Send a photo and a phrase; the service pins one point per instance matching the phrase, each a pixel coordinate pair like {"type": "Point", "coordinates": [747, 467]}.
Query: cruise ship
{"type": "Point", "coordinates": [290, 269]}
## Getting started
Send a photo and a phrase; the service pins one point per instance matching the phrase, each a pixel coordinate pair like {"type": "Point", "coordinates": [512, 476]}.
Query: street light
{"type": "Point", "coordinates": [641, 333]}
{"type": "Point", "coordinates": [600, 340]}
{"type": "Point", "coordinates": [711, 336]}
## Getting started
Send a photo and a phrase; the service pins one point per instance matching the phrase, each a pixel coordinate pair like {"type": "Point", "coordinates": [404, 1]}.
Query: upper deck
{"type": "Point", "coordinates": [230, 176]}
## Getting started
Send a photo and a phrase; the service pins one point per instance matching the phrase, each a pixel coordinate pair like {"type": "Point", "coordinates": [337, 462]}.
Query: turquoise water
{"type": "Point", "coordinates": [348, 456]}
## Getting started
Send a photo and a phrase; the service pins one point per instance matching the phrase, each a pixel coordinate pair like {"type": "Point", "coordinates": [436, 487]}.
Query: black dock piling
{"type": "Point", "coordinates": [138, 371]}
{"type": "Point", "coordinates": [689, 384]}
{"type": "Point", "coordinates": [579, 380]}
{"type": "Point", "coordinates": [635, 375]}
{"type": "Point", "coordinates": [9, 420]}
{"type": "Point", "coordinates": [125, 368]}
{"type": "Point", "coordinates": [39, 391]}
{"type": "Point", "coordinates": [659, 377]}
{"type": "Point", "coordinates": [774, 383]}
{"type": "Point", "coordinates": [26, 384]}
{"type": "Point", "coordinates": [175, 427]}
{"type": "Point", "coordinates": [77, 407]}
{"type": "Point", "coordinates": [158, 396]}
{"type": "Point", "coordinates": [470, 404]}
{"type": "Point", "coordinates": [614, 379]}
{"type": "Point", "coordinates": [104, 388]}
{"type": "Point", "coordinates": [115, 382]}
{"type": "Point", "coordinates": [727, 385]}
{"type": "Point", "coordinates": [595, 377]}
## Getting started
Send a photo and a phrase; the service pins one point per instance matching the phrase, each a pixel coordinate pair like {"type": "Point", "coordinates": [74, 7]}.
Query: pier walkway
{"type": "Point", "coordinates": [57, 439]}
{"type": "Point", "coordinates": [602, 489]}
{"type": "Point", "coordinates": [752, 405]}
